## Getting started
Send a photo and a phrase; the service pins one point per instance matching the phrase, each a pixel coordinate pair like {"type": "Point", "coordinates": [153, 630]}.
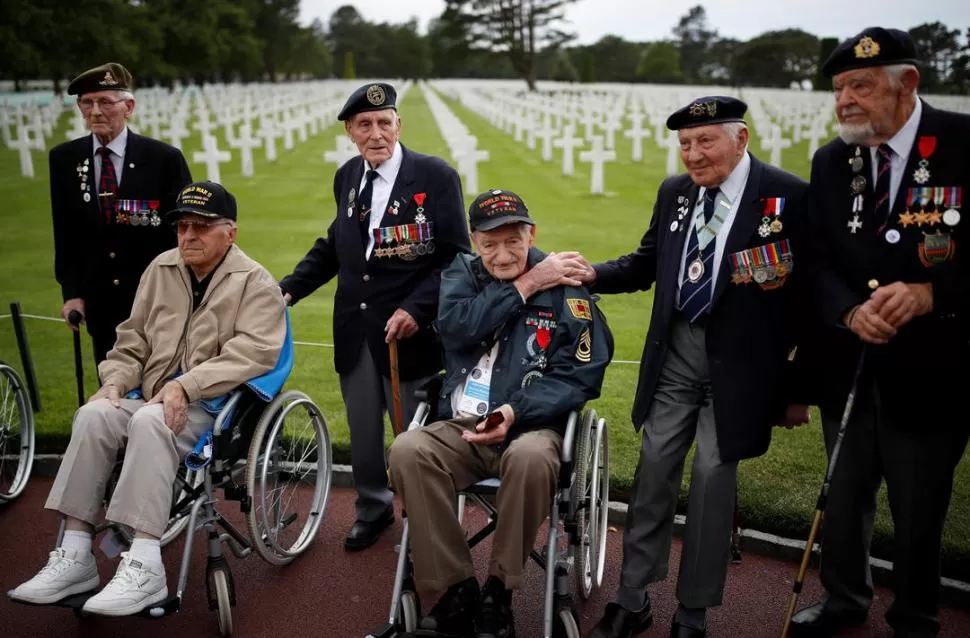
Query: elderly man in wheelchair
{"type": "Point", "coordinates": [523, 348]}
{"type": "Point", "coordinates": [206, 319]}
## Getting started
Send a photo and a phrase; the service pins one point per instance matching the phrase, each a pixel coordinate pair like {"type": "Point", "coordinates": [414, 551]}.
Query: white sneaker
{"type": "Point", "coordinates": [135, 586]}
{"type": "Point", "coordinates": [63, 575]}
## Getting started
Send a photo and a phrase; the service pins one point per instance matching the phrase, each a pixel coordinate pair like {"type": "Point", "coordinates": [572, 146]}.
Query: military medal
{"type": "Point", "coordinates": [935, 249]}
{"type": "Point", "coordinates": [858, 184]}
{"type": "Point", "coordinates": [855, 224]}
{"type": "Point", "coordinates": [350, 202]}
{"type": "Point", "coordinates": [855, 162]}
{"type": "Point", "coordinates": [926, 146]}
{"type": "Point", "coordinates": [951, 217]}
{"type": "Point", "coordinates": [420, 218]}
{"type": "Point", "coordinates": [892, 236]}
{"type": "Point", "coordinates": [695, 270]}
{"type": "Point", "coordinates": [393, 209]}
{"type": "Point", "coordinates": [87, 197]}
{"type": "Point", "coordinates": [419, 200]}
{"type": "Point", "coordinates": [771, 222]}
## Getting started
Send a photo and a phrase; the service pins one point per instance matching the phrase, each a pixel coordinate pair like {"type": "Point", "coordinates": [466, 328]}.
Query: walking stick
{"type": "Point", "coordinates": [398, 421]}
{"type": "Point", "coordinates": [822, 497]}
{"type": "Point", "coordinates": [75, 318]}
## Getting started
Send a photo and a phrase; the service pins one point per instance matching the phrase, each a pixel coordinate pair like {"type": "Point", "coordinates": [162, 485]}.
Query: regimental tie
{"type": "Point", "coordinates": [884, 159]}
{"type": "Point", "coordinates": [695, 288]}
{"type": "Point", "coordinates": [363, 207]}
{"type": "Point", "coordinates": [108, 186]}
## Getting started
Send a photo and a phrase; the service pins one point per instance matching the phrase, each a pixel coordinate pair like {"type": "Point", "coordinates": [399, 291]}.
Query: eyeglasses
{"type": "Point", "coordinates": [103, 103]}
{"type": "Point", "coordinates": [183, 225]}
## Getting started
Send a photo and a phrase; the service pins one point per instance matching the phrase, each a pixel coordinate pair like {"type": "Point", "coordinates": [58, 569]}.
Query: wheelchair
{"type": "Point", "coordinates": [270, 451]}
{"type": "Point", "coordinates": [16, 434]}
{"type": "Point", "coordinates": [577, 551]}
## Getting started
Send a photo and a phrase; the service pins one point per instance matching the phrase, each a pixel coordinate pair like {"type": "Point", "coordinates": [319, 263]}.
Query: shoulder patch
{"type": "Point", "coordinates": [584, 349]}
{"type": "Point", "coordinates": [579, 308]}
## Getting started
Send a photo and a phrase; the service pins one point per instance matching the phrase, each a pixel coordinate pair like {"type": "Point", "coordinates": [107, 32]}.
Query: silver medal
{"type": "Point", "coordinates": [856, 164]}
{"type": "Point", "coordinates": [760, 276]}
{"type": "Point", "coordinates": [951, 217]}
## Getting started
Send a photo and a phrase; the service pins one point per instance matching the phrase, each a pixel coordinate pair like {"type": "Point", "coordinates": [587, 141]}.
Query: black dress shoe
{"type": "Point", "coordinates": [495, 619]}
{"type": "Point", "coordinates": [617, 622]}
{"type": "Point", "coordinates": [363, 534]}
{"type": "Point", "coordinates": [818, 621]}
{"type": "Point", "coordinates": [678, 630]}
{"type": "Point", "coordinates": [454, 613]}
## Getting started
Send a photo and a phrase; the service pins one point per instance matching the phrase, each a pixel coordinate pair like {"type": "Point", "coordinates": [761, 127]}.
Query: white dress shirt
{"type": "Point", "coordinates": [731, 189]}
{"type": "Point", "coordinates": [381, 192]}
{"type": "Point", "coordinates": [902, 145]}
{"type": "Point", "coordinates": [117, 146]}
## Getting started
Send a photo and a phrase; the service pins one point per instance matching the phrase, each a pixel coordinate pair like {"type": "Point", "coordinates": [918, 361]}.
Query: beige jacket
{"type": "Point", "coordinates": [234, 335]}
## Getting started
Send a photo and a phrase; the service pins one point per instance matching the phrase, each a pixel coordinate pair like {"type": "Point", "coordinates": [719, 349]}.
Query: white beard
{"type": "Point", "coordinates": [856, 133]}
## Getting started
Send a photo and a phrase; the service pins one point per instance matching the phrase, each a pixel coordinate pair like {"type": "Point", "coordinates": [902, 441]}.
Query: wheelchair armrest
{"type": "Point", "coordinates": [429, 390]}
{"type": "Point", "coordinates": [569, 437]}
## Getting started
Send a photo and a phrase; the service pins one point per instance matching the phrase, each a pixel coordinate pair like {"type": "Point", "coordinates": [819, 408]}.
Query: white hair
{"type": "Point", "coordinates": [895, 74]}
{"type": "Point", "coordinates": [733, 130]}
{"type": "Point", "coordinates": [126, 95]}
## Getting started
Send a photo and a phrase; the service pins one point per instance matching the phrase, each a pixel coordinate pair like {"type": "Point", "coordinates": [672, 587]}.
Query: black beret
{"type": "Point", "coordinates": [370, 97]}
{"type": "Point", "coordinates": [107, 77]}
{"type": "Point", "coordinates": [875, 46]}
{"type": "Point", "coordinates": [208, 199]}
{"type": "Point", "coordinates": [713, 109]}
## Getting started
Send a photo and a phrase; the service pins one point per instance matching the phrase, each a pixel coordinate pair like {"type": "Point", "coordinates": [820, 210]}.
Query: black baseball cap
{"type": "Point", "coordinates": [871, 47]}
{"type": "Point", "coordinates": [495, 208]}
{"type": "Point", "coordinates": [207, 199]}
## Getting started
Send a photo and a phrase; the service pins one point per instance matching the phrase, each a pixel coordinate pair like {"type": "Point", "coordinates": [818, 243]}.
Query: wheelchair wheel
{"type": "Point", "coordinates": [288, 476]}
{"type": "Point", "coordinates": [408, 615]}
{"type": "Point", "coordinates": [16, 434]}
{"type": "Point", "coordinates": [223, 602]}
{"type": "Point", "coordinates": [599, 510]}
{"type": "Point", "coordinates": [565, 624]}
{"type": "Point", "coordinates": [581, 504]}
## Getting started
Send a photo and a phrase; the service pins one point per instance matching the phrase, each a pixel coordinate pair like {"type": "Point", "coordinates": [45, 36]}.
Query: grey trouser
{"type": "Point", "coordinates": [682, 410]}
{"type": "Point", "coordinates": [918, 464]}
{"type": "Point", "coordinates": [143, 496]}
{"type": "Point", "coordinates": [367, 395]}
{"type": "Point", "coordinates": [428, 464]}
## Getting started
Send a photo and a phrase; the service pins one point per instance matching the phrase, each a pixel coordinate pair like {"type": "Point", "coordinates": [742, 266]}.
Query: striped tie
{"type": "Point", "coordinates": [695, 296]}
{"type": "Point", "coordinates": [884, 158]}
{"type": "Point", "coordinates": [108, 186]}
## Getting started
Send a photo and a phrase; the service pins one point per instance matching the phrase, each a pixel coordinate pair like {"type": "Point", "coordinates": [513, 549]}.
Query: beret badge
{"type": "Point", "coordinates": [375, 95]}
{"type": "Point", "coordinates": [699, 109]}
{"type": "Point", "coordinates": [109, 80]}
{"type": "Point", "coordinates": [866, 48]}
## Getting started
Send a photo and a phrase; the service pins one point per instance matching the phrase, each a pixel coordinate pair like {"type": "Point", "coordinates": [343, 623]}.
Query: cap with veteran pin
{"type": "Point", "coordinates": [495, 208]}
{"type": "Point", "coordinates": [107, 77]}
{"type": "Point", "coordinates": [874, 46]}
{"type": "Point", "coordinates": [370, 97]}
{"type": "Point", "coordinates": [207, 199]}
{"type": "Point", "coordinates": [713, 109]}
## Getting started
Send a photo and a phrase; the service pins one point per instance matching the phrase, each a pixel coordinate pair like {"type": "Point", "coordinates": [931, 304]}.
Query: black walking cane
{"type": "Point", "coordinates": [823, 496]}
{"type": "Point", "coordinates": [75, 318]}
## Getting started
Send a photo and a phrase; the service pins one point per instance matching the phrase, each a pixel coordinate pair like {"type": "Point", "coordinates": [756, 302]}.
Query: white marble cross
{"type": "Point", "coordinates": [345, 151]}
{"type": "Point", "coordinates": [269, 132]}
{"type": "Point", "coordinates": [610, 127]}
{"type": "Point", "coordinates": [211, 156]}
{"type": "Point", "coordinates": [637, 134]}
{"type": "Point", "coordinates": [597, 157]}
{"type": "Point", "coordinates": [176, 132]}
{"type": "Point", "coordinates": [468, 167]}
{"type": "Point", "coordinates": [568, 142]}
{"type": "Point", "coordinates": [672, 142]}
{"type": "Point", "coordinates": [245, 142]}
{"type": "Point", "coordinates": [24, 145]}
{"type": "Point", "coordinates": [546, 134]}
{"type": "Point", "coordinates": [775, 143]}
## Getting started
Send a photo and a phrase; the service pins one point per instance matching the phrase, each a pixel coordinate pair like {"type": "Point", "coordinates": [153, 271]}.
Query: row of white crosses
{"type": "Point", "coordinates": [462, 145]}
{"type": "Point", "coordinates": [26, 127]}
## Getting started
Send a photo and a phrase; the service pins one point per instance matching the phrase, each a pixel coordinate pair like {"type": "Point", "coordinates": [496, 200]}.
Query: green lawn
{"type": "Point", "coordinates": [288, 204]}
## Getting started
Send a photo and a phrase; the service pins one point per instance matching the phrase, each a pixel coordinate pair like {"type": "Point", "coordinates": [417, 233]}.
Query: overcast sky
{"type": "Point", "coordinates": [644, 20]}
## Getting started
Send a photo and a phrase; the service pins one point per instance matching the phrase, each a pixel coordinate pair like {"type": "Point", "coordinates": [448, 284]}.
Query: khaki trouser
{"type": "Point", "coordinates": [143, 496]}
{"type": "Point", "coordinates": [428, 464]}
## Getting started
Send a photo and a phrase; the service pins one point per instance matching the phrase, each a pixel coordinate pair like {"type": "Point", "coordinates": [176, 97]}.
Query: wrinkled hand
{"type": "Point", "coordinates": [287, 299]}
{"type": "Point", "coordinates": [109, 392]}
{"type": "Point", "coordinates": [865, 322]}
{"type": "Point", "coordinates": [401, 325]}
{"type": "Point", "coordinates": [557, 269]}
{"type": "Point", "coordinates": [795, 415]}
{"type": "Point", "coordinates": [898, 303]}
{"type": "Point", "coordinates": [588, 275]}
{"type": "Point", "coordinates": [496, 434]}
{"type": "Point", "coordinates": [72, 304]}
{"type": "Point", "coordinates": [175, 405]}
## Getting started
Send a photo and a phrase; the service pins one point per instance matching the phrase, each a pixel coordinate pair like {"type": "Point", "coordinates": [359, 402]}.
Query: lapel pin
{"type": "Point", "coordinates": [87, 197]}
{"type": "Point", "coordinates": [131, 165]}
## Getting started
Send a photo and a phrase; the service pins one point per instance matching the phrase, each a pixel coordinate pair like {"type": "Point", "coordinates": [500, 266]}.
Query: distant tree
{"type": "Point", "coordinates": [718, 67]}
{"type": "Point", "coordinates": [660, 63]}
{"type": "Point", "coordinates": [825, 48]}
{"type": "Point", "coordinates": [519, 29]}
{"type": "Point", "coordinates": [960, 81]}
{"type": "Point", "coordinates": [615, 59]}
{"type": "Point", "coordinates": [694, 39]}
{"type": "Point", "coordinates": [939, 48]}
{"type": "Point", "coordinates": [350, 71]}
{"type": "Point", "coordinates": [777, 58]}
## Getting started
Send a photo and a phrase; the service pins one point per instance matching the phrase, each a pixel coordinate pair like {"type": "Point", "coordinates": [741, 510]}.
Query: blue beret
{"type": "Point", "coordinates": [370, 97]}
{"type": "Point", "coordinates": [875, 46]}
{"type": "Point", "coordinates": [713, 109]}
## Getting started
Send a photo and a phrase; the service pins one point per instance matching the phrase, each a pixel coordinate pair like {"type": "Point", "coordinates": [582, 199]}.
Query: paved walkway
{"type": "Point", "coordinates": [331, 593]}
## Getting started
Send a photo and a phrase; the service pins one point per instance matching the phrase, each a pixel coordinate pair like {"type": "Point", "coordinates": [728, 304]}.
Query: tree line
{"type": "Point", "coordinates": [226, 40]}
